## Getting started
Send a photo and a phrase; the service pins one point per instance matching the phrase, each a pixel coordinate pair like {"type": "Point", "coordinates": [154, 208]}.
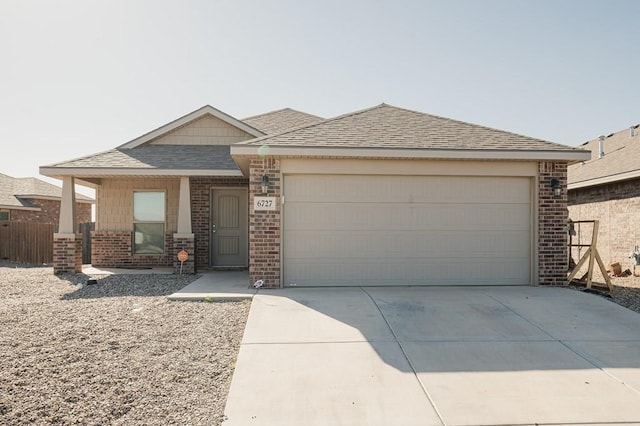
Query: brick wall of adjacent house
{"type": "Point", "coordinates": [110, 249]}
{"type": "Point", "coordinates": [264, 226]}
{"type": "Point", "coordinates": [200, 188]}
{"type": "Point", "coordinates": [617, 207]}
{"type": "Point", "coordinates": [49, 212]}
{"type": "Point", "coordinates": [552, 219]}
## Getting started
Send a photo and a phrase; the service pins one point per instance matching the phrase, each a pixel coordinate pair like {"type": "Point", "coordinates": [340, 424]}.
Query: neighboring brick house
{"type": "Point", "coordinates": [33, 200]}
{"type": "Point", "coordinates": [606, 187]}
{"type": "Point", "coordinates": [382, 196]}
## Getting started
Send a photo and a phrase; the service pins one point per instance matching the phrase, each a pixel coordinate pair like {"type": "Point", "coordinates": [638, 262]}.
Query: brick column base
{"type": "Point", "coordinates": [67, 253]}
{"type": "Point", "coordinates": [184, 242]}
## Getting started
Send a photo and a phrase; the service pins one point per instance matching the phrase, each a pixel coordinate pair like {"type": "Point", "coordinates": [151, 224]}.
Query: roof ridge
{"type": "Point", "coordinates": [280, 110]}
{"type": "Point", "coordinates": [625, 130]}
{"type": "Point", "coordinates": [265, 113]}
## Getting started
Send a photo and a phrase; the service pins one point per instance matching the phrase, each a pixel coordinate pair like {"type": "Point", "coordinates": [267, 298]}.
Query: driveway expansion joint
{"type": "Point", "coordinates": [406, 357]}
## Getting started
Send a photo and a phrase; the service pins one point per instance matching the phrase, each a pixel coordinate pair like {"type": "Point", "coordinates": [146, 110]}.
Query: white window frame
{"type": "Point", "coordinates": [135, 222]}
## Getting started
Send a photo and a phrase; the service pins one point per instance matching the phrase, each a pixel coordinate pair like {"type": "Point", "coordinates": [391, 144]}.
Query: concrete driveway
{"type": "Point", "coordinates": [436, 356]}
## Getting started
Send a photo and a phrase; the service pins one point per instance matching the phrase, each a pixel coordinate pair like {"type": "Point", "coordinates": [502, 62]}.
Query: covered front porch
{"type": "Point", "coordinates": [145, 221]}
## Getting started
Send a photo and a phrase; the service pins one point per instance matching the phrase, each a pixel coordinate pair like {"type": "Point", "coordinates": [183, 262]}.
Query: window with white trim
{"type": "Point", "coordinates": [4, 215]}
{"type": "Point", "coordinates": [148, 222]}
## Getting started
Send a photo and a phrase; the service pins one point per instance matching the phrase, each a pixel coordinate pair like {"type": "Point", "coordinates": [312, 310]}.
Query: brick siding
{"type": "Point", "coordinates": [552, 220]}
{"type": "Point", "coordinates": [187, 244]}
{"type": "Point", "coordinates": [617, 207]}
{"type": "Point", "coordinates": [200, 188]}
{"type": "Point", "coordinates": [67, 254]}
{"type": "Point", "coordinates": [264, 226]}
{"type": "Point", "coordinates": [110, 249]}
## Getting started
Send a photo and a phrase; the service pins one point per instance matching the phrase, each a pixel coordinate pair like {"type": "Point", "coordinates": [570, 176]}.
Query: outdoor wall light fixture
{"type": "Point", "coordinates": [265, 183]}
{"type": "Point", "coordinates": [555, 185]}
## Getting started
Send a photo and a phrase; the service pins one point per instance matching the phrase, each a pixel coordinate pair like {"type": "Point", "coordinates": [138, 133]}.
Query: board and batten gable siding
{"type": "Point", "coordinates": [206, 130]}
{"type": "Point", "coordinates": [114, 202]}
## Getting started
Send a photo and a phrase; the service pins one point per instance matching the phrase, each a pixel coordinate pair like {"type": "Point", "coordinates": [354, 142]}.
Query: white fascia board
{"type": "Point", "coordinates": [207, 109]}
{"type": "Point", "coordinates": [8, 207]}
{"type": "Point", "coordinates": [569, 155]}
{"type": "Point", "coordinates": [109, 172]}
{"type": "Point", "coordinates": [51, 198]}
{"type": "Point", "coordinates": [605, 179]}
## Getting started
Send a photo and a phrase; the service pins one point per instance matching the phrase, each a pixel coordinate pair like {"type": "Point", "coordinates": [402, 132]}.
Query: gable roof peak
{"type": "Point", "coordinates": [188, 118]}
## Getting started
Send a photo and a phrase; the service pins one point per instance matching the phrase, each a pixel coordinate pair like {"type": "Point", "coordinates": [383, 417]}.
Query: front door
{"type": "Point", "coordinates": [229, 225]}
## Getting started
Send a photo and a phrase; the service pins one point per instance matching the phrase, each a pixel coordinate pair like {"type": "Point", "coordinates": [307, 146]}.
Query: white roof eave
{"type": "Point", "coordinates": [97, 172]}
{"type": "Point", "coordinates": [530, 155]}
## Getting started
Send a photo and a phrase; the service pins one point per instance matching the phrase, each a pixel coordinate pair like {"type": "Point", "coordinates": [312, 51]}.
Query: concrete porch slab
{"type": "Point", "coordinates": [217, 286]}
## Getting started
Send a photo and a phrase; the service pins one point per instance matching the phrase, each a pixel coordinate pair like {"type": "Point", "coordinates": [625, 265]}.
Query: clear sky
{"type": "Point", "coordinates": [79, 77]}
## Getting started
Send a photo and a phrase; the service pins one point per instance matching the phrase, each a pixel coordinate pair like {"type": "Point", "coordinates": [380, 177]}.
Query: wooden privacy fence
{"type": "Point", "coordinates": [85, 230]}
{"type": "Point", "coordinates": [26, 242]}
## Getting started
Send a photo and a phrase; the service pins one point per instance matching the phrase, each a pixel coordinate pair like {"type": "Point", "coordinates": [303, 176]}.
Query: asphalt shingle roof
{"type": "Point", "coordinates": [278, 121]}
{"type": "Point", "coordinates": [16, 192]}
{"type": "Point", "coordinates": [179, 157]}
{"type": "Point", "coordinates": [622, 155]}
{"type": "Point", "coordinates": [386, 126]}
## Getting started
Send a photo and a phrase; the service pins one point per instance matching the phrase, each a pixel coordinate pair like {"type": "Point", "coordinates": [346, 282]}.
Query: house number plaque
{"type": "Point", "coordinates": [264, 203]}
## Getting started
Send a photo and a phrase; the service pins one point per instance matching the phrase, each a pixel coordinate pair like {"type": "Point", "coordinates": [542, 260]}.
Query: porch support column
{"type": "Point", "coordinates": [184, 239]}
{"type": "Point", "coordinates": [184, 207]}
{"type": "Point", "coordinates": [67, 244]}
{"type": "Point", "coordinates": [68, 207]}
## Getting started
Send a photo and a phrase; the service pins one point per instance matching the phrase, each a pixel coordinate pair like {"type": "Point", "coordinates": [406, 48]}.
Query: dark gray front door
{"type": "Point", "coordinates": [229, 225]}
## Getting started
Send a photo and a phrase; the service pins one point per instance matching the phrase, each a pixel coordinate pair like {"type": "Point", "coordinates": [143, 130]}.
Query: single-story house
{"type": "Point", "coordinates": [34, 200]}
{"type": "Point", "coordinates": [606, 187]}
{"type": "Point", "coordinates": [381, 196]}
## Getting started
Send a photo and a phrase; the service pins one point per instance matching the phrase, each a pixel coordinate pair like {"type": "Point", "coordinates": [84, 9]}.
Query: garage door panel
{"type": "Point", "coordinates": [337, 272]}
{"type": "Point", "coordinates": [376, 216]}
{"type": "Point", "coordinates": [398, 189]}
{"type": "Point", "coordinates": [406, 230]}
{"type": "Point", "coordinates": [382, 245]}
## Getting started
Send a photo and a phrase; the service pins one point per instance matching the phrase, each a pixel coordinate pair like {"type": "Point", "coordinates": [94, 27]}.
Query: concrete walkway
{"type": "Point", "coordinates": [436, 356]}
{"type": "Point", "coordinates": [217, 286]}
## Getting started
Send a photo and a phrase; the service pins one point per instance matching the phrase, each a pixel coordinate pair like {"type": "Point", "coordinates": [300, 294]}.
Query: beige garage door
{"type": "Point", "coordinates": [359, 230]}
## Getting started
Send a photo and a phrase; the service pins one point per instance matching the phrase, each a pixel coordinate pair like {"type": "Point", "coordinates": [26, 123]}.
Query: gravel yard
{"type": "Point", "coordinates": [113, 353]}
{"type": "Point", "coordinates": [626, 292]}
